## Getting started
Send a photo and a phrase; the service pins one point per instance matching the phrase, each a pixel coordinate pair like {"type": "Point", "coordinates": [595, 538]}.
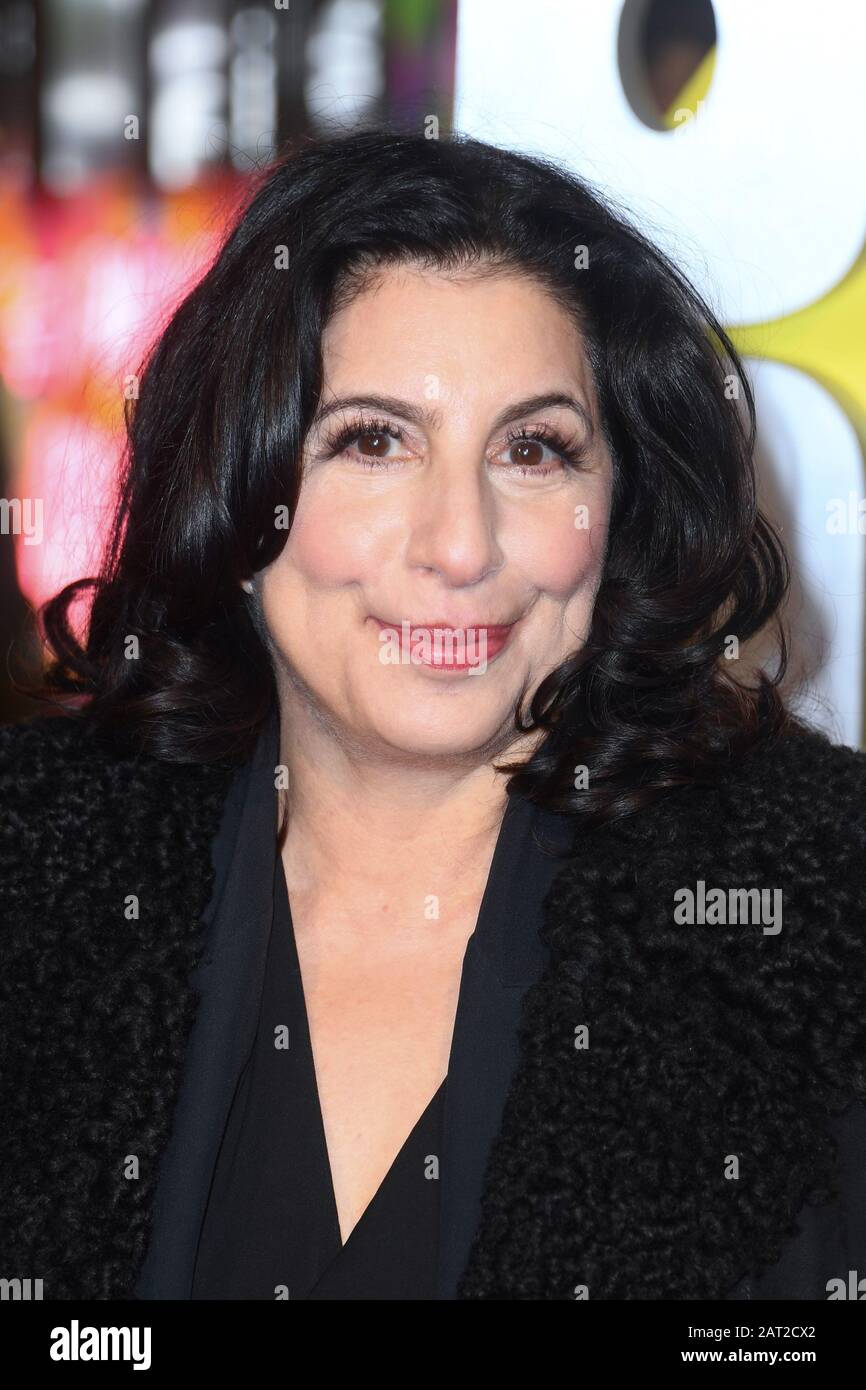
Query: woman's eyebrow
{"type": "Point", "coordinates": [431, 417]}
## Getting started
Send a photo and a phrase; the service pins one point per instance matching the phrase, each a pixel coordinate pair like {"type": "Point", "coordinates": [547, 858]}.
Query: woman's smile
{"type": "Point", "coordinates": [442, 646]}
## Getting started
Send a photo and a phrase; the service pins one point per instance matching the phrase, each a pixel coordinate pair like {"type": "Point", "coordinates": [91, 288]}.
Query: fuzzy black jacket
{"type": "Point", "coordinates": [706, 1129]}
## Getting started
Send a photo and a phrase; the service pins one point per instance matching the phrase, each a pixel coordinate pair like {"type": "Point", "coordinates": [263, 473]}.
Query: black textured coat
{"type": "Point", "coordinates": [609, 1170]}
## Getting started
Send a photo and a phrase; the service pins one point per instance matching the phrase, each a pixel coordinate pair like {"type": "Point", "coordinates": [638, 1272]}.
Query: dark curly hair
{"type": "Point", "coordinates": [228, 393]}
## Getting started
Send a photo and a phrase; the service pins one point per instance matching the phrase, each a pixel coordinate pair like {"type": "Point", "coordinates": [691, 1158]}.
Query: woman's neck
{"type": "Point", "coordinates": [376, 824]}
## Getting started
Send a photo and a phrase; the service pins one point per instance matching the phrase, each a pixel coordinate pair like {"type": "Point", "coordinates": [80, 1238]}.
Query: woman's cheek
{"type": "Point", "coordinates": [558, 555]}
{"type": "Point", "coordinates": [330, 542]}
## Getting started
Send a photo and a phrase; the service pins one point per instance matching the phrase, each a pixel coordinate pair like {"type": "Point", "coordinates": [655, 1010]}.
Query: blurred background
{"type": "Point", "coordinates": [129, 130]}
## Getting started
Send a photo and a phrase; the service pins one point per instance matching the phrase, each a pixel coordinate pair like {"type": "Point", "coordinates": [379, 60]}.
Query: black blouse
{"type": "Point", "coordinates": [270, 1227]}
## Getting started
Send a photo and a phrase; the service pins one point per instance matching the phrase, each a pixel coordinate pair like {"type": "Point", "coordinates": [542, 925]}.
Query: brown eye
{"type": "Point", "coordinates": [379, 443]}
{"type": "Point", "coordinates": [528, 452]}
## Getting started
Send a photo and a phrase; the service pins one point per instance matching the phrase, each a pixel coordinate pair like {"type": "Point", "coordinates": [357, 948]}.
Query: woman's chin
{"type": "Point", "coordinates": [409, 733]}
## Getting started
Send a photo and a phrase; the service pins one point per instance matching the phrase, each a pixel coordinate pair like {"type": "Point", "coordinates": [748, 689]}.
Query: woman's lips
{"type": "Point", "coordinates": [446, 647]}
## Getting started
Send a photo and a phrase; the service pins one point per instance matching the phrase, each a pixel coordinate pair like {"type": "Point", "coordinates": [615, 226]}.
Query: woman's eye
{"type": "Point", "coordinates": [373, 444]}
{"type": "Point", "coordinates": [533, 456]}
{"type": "Point", "coordinates": [369, 445]}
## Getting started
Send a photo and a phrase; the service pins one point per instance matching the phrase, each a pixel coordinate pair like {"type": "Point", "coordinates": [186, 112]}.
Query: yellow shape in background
{"type": "Point", "coordinates": [694, 91]}
{"type": "Point", "coordinates": [827, 338]}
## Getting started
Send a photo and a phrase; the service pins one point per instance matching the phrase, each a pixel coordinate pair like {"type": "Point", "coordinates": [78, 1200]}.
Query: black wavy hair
{"type": "Point", "coordinates": [229, 390]}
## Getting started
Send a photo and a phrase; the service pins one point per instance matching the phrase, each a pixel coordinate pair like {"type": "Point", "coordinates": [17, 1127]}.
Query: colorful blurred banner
{"type": "Point", "coordinates": [128, 134]}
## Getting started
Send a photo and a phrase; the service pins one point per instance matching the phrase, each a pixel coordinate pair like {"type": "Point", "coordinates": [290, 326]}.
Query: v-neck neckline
{"type": "Point", "coordinates": [283, 917]}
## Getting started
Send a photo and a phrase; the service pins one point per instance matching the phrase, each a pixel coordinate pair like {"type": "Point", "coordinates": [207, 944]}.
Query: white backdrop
{"type": "Point", "coordinates": [761, 200]}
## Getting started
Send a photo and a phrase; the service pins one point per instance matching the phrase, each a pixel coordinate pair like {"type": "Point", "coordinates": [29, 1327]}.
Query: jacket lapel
{"type": "Point", "coordinates": [504, 956]}
{"type": "Point", "coordinates": [229, 982]}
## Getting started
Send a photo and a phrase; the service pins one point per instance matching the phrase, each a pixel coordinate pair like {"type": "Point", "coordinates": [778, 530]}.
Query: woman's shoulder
{"type": "Point", "coordinates": [42, 741]}
{"type": "Point", "coordinates": [58, 759]}
{"type": "Point", "coordinates": [790, 812]}
{"type": "Point", "coordinates": [800, 783]}
{"type": "Point", "coordinates": [61, 745]}
{"type": "Point", "coordinates": [61, 775]}
{"type": "Point", "coordinates": [804, 751]}
{"type": "Point", "coordinates": [47, 760]}
{"type": "Point", "coordinates": [797, 783]}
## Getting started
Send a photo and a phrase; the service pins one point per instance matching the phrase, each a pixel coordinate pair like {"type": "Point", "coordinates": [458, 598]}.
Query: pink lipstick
{"type": "Point", "coordinates": [440, 645]}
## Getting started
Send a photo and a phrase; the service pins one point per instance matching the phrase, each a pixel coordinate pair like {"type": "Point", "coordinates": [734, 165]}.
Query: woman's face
{"type": "Point", "coordinates": [433, 513]}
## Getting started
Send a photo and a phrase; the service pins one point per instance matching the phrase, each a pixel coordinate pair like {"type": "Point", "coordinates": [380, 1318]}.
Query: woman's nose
{"type": "Point", "coordinates": [454, 525]}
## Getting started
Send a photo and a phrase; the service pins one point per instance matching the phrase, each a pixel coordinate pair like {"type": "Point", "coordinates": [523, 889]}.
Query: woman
{"type": "Point", "coordinates": [412, 901]}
